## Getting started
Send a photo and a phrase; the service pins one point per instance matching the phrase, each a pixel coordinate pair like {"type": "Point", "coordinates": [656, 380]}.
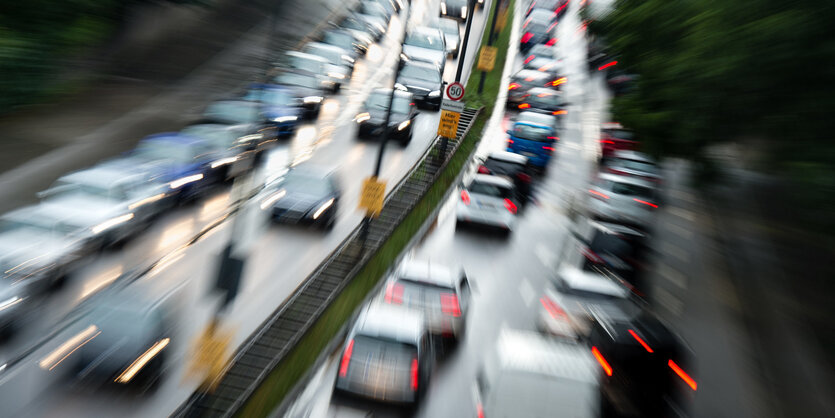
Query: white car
{"type": "Point", "coordinates": [488, 200]}
{"type": "Point", "coordinates": [623, 199]}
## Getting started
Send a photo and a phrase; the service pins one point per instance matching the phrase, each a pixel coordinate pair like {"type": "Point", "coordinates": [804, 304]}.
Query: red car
{"type": "Point", "coordinates": [613, 137]}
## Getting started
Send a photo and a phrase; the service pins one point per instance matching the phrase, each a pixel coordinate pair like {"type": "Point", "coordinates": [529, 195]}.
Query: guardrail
{"type": "Point", "coordinates": [277, 336]}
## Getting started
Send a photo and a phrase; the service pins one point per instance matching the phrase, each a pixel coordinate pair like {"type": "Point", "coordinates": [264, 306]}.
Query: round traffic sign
{"type": "Point", "coordinates": [455, 91]}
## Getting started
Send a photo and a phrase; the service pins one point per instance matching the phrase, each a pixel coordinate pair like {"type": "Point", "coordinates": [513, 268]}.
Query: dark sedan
{"type": "Point", "coordinates": [544, 100]}
{"type": "Point", "coordinates": [308, 87]}
{"type": "Point", "coordinates": [305, 195]}
{"type": "Point", "coordinates": [524, 80]}
{"type": "Point", "coordinates": [279, 107]}
{"type": "Point", "coordinates": [373, 115]}
{"type": "Point", "coordinates": [537, 29]}
{"type": "Point", "coordinates": [424, 81]}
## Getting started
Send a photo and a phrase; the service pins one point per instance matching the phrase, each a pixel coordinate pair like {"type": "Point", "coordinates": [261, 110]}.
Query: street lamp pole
{"type": "Point", "coordinates": [470, 13]}
{"type": "Point", "coordinates": [489, 42]}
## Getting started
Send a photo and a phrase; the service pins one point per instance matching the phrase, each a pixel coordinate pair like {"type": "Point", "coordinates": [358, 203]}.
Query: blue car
{"type": "Point", "coordinates": [188, 164]}
{"type": "Point", "coordinates": [533, 140]}
{"type": "Point", "coordinates": [280, 107]}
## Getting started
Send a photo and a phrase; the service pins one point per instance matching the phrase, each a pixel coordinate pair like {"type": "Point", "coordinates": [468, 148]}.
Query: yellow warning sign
{"type": "Point", "coordinates": [448, 126]}
{"type": "Point", "coordinates": [209, 355]}
{"type": "Point", "coordinates": [487, 58]}
{"type": "Point", "coordinates": [373, 195]}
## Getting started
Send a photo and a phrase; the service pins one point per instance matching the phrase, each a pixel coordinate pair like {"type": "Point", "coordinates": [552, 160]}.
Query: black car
{"type": "Point", "coordinates": [538, 29]}
{"type": "Point", "coordinates": [456, 9]}
{"type": "Point", "coordinates": [305, 195]}
{"type": "Point", "coordinates": [545, 100]}
{"type": "Point", "coordinates": [540, 51]}
{"type": "Point", "coordinates": [523, 81]}
{"type": "Point", "coordinates": [307, 87]}
{"type": "Point", "coordinates": [513, 166]}
{"type": "Point", "coordinates": [614, 249]}
{"type": "Point", "coordinates": [373, 114]}
{"type": "Point", "coordinates": [424, 80]}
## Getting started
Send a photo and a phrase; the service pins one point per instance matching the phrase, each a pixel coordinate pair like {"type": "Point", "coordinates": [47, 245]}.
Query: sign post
{"type": "Point", "coordinates": [488, 53]}
{"type": "Point", "coordinates": [372, 197]}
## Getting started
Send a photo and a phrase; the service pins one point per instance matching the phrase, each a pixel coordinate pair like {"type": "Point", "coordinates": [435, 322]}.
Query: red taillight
{"type": "Point", "coordinates": [552, 26]}
{"type": "Point", "coordinates": [605, 66]}
{"type": "Point", "coordinates": [640, 341]}
{"type": "Point", "coordinates": [513, 86]}
{"type": "Point", "coordinates": [394, 293]}
{"type": "Point", "coordinates": [652, 205]}
{"type": "Point", "coordinates": [684, 376]}
{"type": "Point", "coordinates": [524, 106]}
{"type": "Point", "coordinates": [591, 255]}
{"type": "Point", "coordinates": [551, 42]}
{"type": "Point", "coordinates": [346, 359]}
{"type": "Point", "coordinates": [558, 81]}
{"type": "Point", "coordinates": [603, 363]}
{"type": "Point", "coordinates": [607, 142]}
{"type": "Point", "coordinates": [554, 138]}
{"type": "Point", "coordinates": [483, 170]}
{"type": "Point", "coordinates": [524, 177]}
{"type": "Point", "coordinates": [509, 141]}
{"type": "Point", "coordinates": [598, 194]}
{"type": "Point", "coordinates": [465, 197]}
{"type": "Point", "coordinates": [553, 309]}
{"type": "Point", "coordinates": [526, 37]}
{"type": "Point", "coordinates": [529, 58]}
{"type": "Point", "coordinates": [479, 411]}
{"type": "Point", "coordinates": [414, 374]}
{"type": "Point", "coordinates": [412, 104]}
{"type": "Point", "coordinates": [559, 112]}
{"type": "Point", "coordinates": [547, 148]}
{"type": "Point", "coordinates": [561, 8]}
{"type": "Point", "coordinates": [510, 206]}
{"type": "Point", "coordinates": [449, 304]}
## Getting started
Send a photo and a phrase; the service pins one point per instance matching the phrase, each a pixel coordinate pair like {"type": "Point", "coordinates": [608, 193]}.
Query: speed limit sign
{"type": "Point", "coordinates": [455, 91]}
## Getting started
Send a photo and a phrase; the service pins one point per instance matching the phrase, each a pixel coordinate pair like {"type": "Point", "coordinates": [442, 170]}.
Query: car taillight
{"type": "Point", "coordinates": [513, 86]}
{"type": "Point", "coordinates": [547, 148]}
{"type": "Point", "coordinates": [553, 309]}
{"type": "Point", "coordinates": [414, 371]}
{"type": "Point", "coordinates": [607, 65]}
{"type": "Point", "coordinates": [346, 359]}
{"type": "Point", "coordinates": [529, 58]}
{"type": "Point", "coordinates": [607, 142]}
{"type": "Point", "coordinates": [603, 363]}
{"type": "Point", "coordinates": [650, 204]}
{"type": "Point", "coordinates": [524, 106]}
{"type": "Point", "coordinates": [483, 170]}
{"type": "Point", "coordinates": [394, 293]}
{"type": "Point", "coordinates": [465, 197]}
{"type": "Point", "coordinates": [554, 138]}
{"type": "Point", "coordinates": [640, 341]}
{"type": "Point", "coordinates": [524, 177]}
{"type": "Point", "coordinates": [509, 141]}
{"type": "Point", "coordinates": [598, 195]}
{"type": "Point", "coordinates": [559, 112]}
{"type": "Point", "coordinates": [526, 37]}
{"type": "Point", "coordinates": [591, 255]}
{"type": "Point", "coordinates": [558, 81]}
{"type": "Point", "coordinates": [510, 206]}
{"type": "Point", "coordinates": [551, 42]}
{"type": "Point", "coordinates": [479, 411]}
{"type": "Point", "coordinates": [684, 376]}
{"type": "Point", "coordinates": [449, 304]}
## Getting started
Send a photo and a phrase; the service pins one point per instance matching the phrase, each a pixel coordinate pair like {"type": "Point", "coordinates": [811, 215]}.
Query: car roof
{"type": "Point", "coordinates": [531, 115]}
{"type": "Point", "coordinates": [510, 157]}
{"type": "Point", "coordinates": [380, 320]}
{"type": "Point", "coordinates": [592, 282]}
{"type": "Point", "coordinates": [633, 155]}
{"type": "Point", "coordinates": [448, 21]}
{"type": "Point", "coordinates": [306, 55]}
{"type": "Point", "coordinates": [492, 180]}
{"type": "Point", "coordinates": [425, 271]}
{"type": "Point", "coordinates": [322, 45]}
{"type": "Point", "coordinates": [626, 179]}
{"type": "Point", "coordinates": [534, 353]}
{"type": "Point", "coordinates": [530, 73]}
{"type": "Point", "coordinates": [105, 175]}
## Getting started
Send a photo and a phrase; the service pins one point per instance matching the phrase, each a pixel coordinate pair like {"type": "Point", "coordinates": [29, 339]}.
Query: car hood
{"type": "Point", "coordinates": [423, 54]}
{"type": "Point", "coordinates": [379, 116]}
{"type": "Point", "coordinates": [115, 349]}
{"type": "Point", "coordinates": [85, 210]}
{"type": "Point", "coordinates": [300, 201]}
{"type": "Point", "coordinates": [418, 86]}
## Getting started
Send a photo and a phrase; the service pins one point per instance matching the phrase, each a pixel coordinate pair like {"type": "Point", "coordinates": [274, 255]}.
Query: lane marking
{"type": "Point", "coordinates": [527, 292]}
{"type": "Point", "coordinates": [672, 275]}
{"type": "Point", "coordinates": [668, 301]}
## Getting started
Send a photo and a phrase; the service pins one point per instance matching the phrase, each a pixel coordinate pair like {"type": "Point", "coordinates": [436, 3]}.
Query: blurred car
{"type": "Point", "coordinates": [512, 166]}
{"type": "Point", "coordinates": [16, 303]}
{"type": "Point", "coordinates": [305, 194]}
{"type": "Point", "coordinates": [236, 149]}
{"type": "Point", "coordinates": [488, 200]}
{"type": "Point", "coordinates": [537, 118]}
{"type": "Point", "coordinates": [306, 86]}
{"type": "Point", "coordinates": [525, 80]}
{"type": "Point", "coordinates": [348, 40]}
{"type": "Point", "coordinates": [376, 23]}
{"type": "Point", "coordinates": [388, 357]}
{"type": "Point", "coordinates": [372, 26]}
{"type": "Point", "coordinates": [540, 51]}
{"type": "Point", "coordinates": [335, 55]}
{"type": "Point", "coordinates": [114, 199]}
{"type": "Point", "coordinates": [569, 308]}
{"type": "Point", "coordinates": [535, 141]}
{"type": "Point", "coordinates": [547, 65]}
{"type": "Point", "coordinates": [332, 76]}
{"type": "Point", "coordinates": [623, 199]}
{"type": "Point", "coordinates": [280, 108]}
{"type": "Point", "coordinates": [546, 100]}
{"type": "Point", "coordinates": [634, 163]}
{"type": "Point", "coordinates": [452, 36]}
{"type": "Point", "coordinates": [372, 116]}
{"type": "Point", "coordinates": [440, 293]}
{"type": "Point", "coordinates": [424, 43]}
{"type": "Point", "coordinates": [390, 6]}
{"type": "Point", "coordinates": [550, 5]}
{"type": "Point", "coordinates": [614, 137]}
{"type": "Point", "coordinates": [646, 368]}
{"type": "Point", "coordinates": [455, 9]}
{"type": "Point", "coordinates": [537, 29]}
{"type": "Point", "coordinates": [530, 375]}
{"type": "Point", "coordinates": [613, 250]}
{"type": "Point", "coordinates": [126, 343]}
{"type": "Point", "coordinates": [424, 81]}
{"type": "Point", "coordinates": [375, 8]}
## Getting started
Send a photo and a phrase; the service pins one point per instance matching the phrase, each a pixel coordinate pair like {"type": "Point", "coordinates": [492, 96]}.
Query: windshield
{"type": "Point", "coordinates": [542, 51]}
{"type": "Point", "coordinates": [166, 150]}
{"type": "Point", "coordinates": [500, 167]}
{"type": "Point", "coordinates": [489, 190]}
{"type": "Point", "coordinates": [536, 27]}
{"type": "Point", "coordinates": [380, 101]}
{"type": "Point", "coordinates": [333, 56]}
{"type": "Point", "coordinates": [420, 73]}
{"type": "Point", "coordinates": [229, 112]}
{"type": "Point", "coordinates": [628, 189]}
{"type": "Point", "coordinates": [296, 79]}
{"type": "Point", "coordinates": [272, 97]}
{"type": "Point", "coordinates": [423, 40]}
{"type": "Point", "coordinates": [218, 137]}
{"type": "Point", "coordinates": [339, 39]}
{"type": "Point", "coordinates": [306, 184]}
{"type": "Point", "coordinates": [422, 295]}
{"type": "Point", "coordinates": [533, 133]}
{"type": "Point", "coordinates": [547, 99]}
{"type": "Point", "coordinates": [66, 189]}
{"type": "Point", "coordinates": [305, 63]}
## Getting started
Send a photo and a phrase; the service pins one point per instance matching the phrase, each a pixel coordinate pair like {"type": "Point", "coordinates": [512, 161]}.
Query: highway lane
{"type": "Point", "coordinates": [281, 256]}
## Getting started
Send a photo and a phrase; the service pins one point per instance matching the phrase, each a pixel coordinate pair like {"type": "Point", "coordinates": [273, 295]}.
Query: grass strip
{"type": "Point", "coordinates": [292, 368]}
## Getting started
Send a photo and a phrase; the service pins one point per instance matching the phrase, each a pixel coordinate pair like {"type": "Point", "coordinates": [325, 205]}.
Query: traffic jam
{"type": "Point", "coordinates": [437, 338]}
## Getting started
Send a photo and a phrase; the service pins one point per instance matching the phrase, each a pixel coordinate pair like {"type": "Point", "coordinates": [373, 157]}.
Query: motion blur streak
{"type": "Point", "coordinates": [101, 281]}
{"type": "Point", "coordinates": [684, 376]}
{"type": "Point", "coordinates": [603, 363]}
{"type": "Point", "coordinates": [141, 361]}
{"type": "Point", "coordinates": [70, 346]}
{"type": "Point", "coordinates": [146, 200]}
{"type": "Point", "coordinates": [640, 340]}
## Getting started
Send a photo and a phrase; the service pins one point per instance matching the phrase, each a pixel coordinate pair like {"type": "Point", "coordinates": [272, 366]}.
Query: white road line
{"type": "Point", "coordinates": [668, 301]}
{"type": "Point", "coordinates": [544, 254]}
{"type": "Point", "coordinates": [675, 251]}
{"type": "Point", "coordinates": [682, 213]}
{"type": "Point", "coordinates": [678, 230]}
{"type": "Point", "coordinates": [672, 275]}
{"type": "Point", "coordinates": [527, 292]}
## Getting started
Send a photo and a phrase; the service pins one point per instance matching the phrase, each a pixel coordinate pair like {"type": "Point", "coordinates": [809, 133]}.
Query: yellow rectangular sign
{"type": "Point", "coordinates": [487, 58]}
{"type": "Point", "coordinates": [448, 125]}
{"type": "Point", "coordinates": [373, 195]}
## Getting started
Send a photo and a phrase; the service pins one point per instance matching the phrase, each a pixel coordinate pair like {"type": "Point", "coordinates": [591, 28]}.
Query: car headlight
{"type": "Point", "coordinates": [313, 99]}
{"type": "Point", "coordinates": [403, 125]}
{"type": "Point", "coordinates": [336, 75]}
{"type": "Point", "coordinates": [282, 119]}
{"type": "Point", "coordinates": [224, 161]}
{"type": "Point", "coordinates": [323, 208]}
{"type": "Point", "coordinates": [176, 184]}
{"type": "Point", "coordinates": [347, 58]}
{"type": "Point", "coordinates": [464, 12]}
{"type": "Point", "coordinates": [399, 86]}
{"type": "Point", "coordinates": [362, 117]}
{"type": "Point", "coordinates": [435, 93]}
{"type": "Point", "coordinates": [443, 7]}
{"type": "Point", "coordinates": [8, 303]}
{"type": "Point", "coordinates": [110, 223]}
{"type": "Point", "coordinates": [269, 200]}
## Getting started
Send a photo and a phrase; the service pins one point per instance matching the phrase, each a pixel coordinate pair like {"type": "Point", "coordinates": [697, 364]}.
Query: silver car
{"type": "Point", "coordinates": [452, 36]}
{"type": "Point", "coordinates": [488, 200]}
{"type": "Point", "coordinates": [439, 292]}
{"type": "Point", "coordinates": [635, 164]}
{"type": "Point", "coordinates": [425, 44]}
{"type": "Point", "coordinates": [339, 60]}
{"type": "Point", "coordinates": [623, 199]}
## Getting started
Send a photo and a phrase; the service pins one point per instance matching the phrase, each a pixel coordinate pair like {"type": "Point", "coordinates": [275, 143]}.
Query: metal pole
{"type": "Point", "coordinates": [489, 42]}
{"type": "Point", "coordinates": [470, 13]}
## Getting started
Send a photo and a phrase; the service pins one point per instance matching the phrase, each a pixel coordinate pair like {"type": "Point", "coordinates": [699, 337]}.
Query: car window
{"type": "Point", "coordinates": [421, 73]}
{"type": "Point", "coordinates": [603, 242]}
{"type": "Point", "coordinates": [477, 187]}
{"type": "Point", "coordinates": [422, 295]}
{"type": "Point", "coordinates": [636, 165]}
{"type": "Point", "coordinates": [628, 189]}
{"type": "Point", "coordinates": [533, 133]}
{"type": "Point", "coordinates": [301, 183]}
{"type": "Point", "coordinates": [620, 134]}
{"type": "Point", "coordinates": [231, 112]}
{"type": "Point", "coordinates": [343, 40]}
{"type": "Point", "coordinates": [220, 138]}
{"type": "Point", "coordinates": [380, 101]}
{"type": "Point", "coordinates": [165, 150]}
{"type": "Point", "coordinates": [378, 355]}
{"type": "Point", "coordinates": [273, 97]}
{"type": "Point", "coordinates": [424, 40]}
{"type": "Point", "coordinates": [502, 167]}
{"type": "Point", "coordinates": [449, 27]}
